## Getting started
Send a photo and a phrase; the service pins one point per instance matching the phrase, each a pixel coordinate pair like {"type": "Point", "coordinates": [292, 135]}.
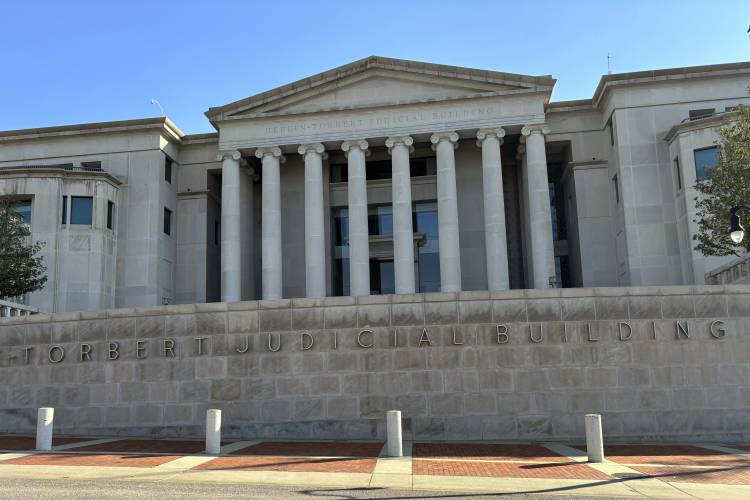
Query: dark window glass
{"type": "Point", "coordinates": [617, 189]}
{"type": "Point", "coordinates": [705, 160]}
{"type": "Point", "coordinates": [677, 173]}
{"type": "Point", "coordinates": [382, 277]}
{"type": "Point", "coordinates": [426, 222]}
{"type": "Point", "coordinates": [91, 165]}
{"type": "Point", "coordinates": [23, 208]}
{"type": "Point", "coordinates": [217, 232]}
{"type": "Point", "coordinates": [110, 214]}
{"type": "Point", "coordinates": [380, 220]}
{"type": "Point", "coordinates": [168, 169]}
{"type": "Point", "coordinates": [381, 169]}
{"type": "Point", "coordinates": [696, 114]}
{"type": "Point", "coordinates": [65, 210]}
{"type": "Point", "coordinates": [611, 132]}
{"type": "Point", "coordinates": [167, 221]}
{"type": "Point", "coordinates": [81, 210]}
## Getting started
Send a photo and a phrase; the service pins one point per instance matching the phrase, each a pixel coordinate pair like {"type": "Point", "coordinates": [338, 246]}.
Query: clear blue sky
{"type": "Point", "coordinates": [68, 62]}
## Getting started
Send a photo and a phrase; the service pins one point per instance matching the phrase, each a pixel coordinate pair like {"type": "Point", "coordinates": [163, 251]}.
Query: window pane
{"type": "Point", "coordinates": [168, 170]}
{"type": "Point", "coordinates": [705, 160]}
{"type": "Point", "coordinates": [167, 221]}
{"type": "Point", "coordinates": [110, 214]}
{"type": "Point", "coordinates": [426, 221]}
{"type": "Point", "coordinates": [65, 210]}
{"type": "Point", "coordinates": [23, 208]}
{"type": "Point", "coordinates": [81, 210]}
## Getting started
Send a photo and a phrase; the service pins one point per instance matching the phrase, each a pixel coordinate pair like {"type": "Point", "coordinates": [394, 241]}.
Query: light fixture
{"type": "Point", "coordinates": [736, 231]}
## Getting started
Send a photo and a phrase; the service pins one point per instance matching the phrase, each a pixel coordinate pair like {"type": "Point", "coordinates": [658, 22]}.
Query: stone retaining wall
{"type": "Point", "coordinates": [657, 363]}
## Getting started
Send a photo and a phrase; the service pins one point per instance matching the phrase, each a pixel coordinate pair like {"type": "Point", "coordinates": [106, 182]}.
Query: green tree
{"type": "Point", "coordinates": [727, 185]}
{"type": "Point", "coordinates": [21, 269]}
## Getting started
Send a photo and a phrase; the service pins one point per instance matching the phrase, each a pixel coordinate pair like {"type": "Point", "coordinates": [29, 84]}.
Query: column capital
{"type": "Point", "coordinates": [273, 151]}
{"type": "Point", "coordinates": [484, 133]}
{"type": "Point", "coordinates": [362, 144]}
{"type": "Point", "coordinates": [535, 129]}
{"type": "Point", "coordinates": [444, 136]}
{"type": "Point", "coordinates": [228, 155]}
{"type": "Point", "coordinates": [406, 140]}
{"type": "Point", "coordinates": [313, 147]}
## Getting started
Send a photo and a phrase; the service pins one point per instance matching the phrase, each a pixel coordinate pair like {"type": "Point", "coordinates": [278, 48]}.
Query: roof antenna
{"type": "Point", "coordinates": [154, 101]}
{"type": "Point", "coordinates": [609, 64]}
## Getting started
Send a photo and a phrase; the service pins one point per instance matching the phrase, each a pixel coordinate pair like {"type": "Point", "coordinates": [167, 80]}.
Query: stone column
{"type": "Point", "coordinates": [495, 243]}
{"type": "Point", "coordinates": [450, 251]}
{"type": "Point", "coordinates": [540, 214]}
{"type": "Point", "coordinates": [271, 257]}
{"type": "Point", "coordinates": [359, 240]}
{"type": "Point", "coordinates": [315, 246]}
{"type": "Point", "coordinates": [403, 232]}
{"type": "Point", "coordinates": [231, 251]}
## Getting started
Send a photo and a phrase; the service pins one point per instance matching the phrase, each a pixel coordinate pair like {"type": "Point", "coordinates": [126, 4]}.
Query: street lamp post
{"type": "Point", "coordinates": [736, 231]}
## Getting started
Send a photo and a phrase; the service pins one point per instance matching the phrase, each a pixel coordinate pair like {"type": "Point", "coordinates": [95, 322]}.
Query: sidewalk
{"type": "Point", "coordinates": [710, 471]}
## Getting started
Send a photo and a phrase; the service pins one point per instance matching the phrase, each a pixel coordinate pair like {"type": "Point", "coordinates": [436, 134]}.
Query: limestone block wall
{"type": "Point", "coordinates": [657, 363]}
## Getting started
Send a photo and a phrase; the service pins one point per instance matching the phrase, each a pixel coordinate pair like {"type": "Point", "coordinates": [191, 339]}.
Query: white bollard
{"type": "Point", "coordinates": [44, 422]}
{"type": "Point", "coordinates": [594, 440]}
{"type": "Point", "coordinates": [213, 432]}
{"type": "Point", "coordinates": [395, 445]}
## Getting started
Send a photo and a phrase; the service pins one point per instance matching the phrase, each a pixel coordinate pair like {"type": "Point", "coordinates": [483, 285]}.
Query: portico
{"type": "Point", "coordinates": [372, 112]}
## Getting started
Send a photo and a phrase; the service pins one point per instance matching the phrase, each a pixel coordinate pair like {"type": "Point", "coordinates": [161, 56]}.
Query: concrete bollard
{"type": "Point", "coordinates": [594, 440]}
{"type": "Point", "coordinates": [395, 447]}
{"type": "Point", "coordinates": [44, 423]}
{"type": "Point", "coordinates": [213, 432]}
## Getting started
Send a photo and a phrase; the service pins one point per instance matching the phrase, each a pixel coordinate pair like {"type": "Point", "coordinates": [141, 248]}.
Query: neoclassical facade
{"type": "Point", "coordinates": [381, 176]}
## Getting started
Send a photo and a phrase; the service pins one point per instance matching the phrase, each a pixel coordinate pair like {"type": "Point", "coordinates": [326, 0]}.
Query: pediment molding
{"type": "Point", "coordinates": [441, 83]}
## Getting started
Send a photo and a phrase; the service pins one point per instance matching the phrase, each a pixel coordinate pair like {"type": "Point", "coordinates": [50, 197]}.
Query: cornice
{"type": "Point", "coordinates": [717, 120]}
{"type": "Point", "coordinates": [46, 173]}
{"type": "Point", "coordinates": [164, 124]}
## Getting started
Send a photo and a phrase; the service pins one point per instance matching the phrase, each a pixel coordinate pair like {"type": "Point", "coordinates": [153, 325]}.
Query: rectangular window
{"type": "Point", "coordinates": [167, 221]}
{"type": "Point", "coordinates": [617, 189]}
{"type": "Point", "coordinates": [23, 208]}
{"type": "Point", "coordinates": [110, 214]}
{"type": "Point", "coordinates": [610, 126]}
{"type": "Point", "coordinates": [217, 232]}
{"type": "Point", "coordinates": [168, 169]}
{"type": "Point", "coordinates": [705, 161]}
{"type": "Point", "coordinates": [380, 220]}
{"type": "Point", "coordinates": [95, 166]}
{"type": "Point", "coordinates": [81, 210]}
{"type": "Point", "coordinates": [677, 173]}
{"type": "Point", "coordinates": [697, 114]}
{"type": "Point", "coordinates": [65, 210]}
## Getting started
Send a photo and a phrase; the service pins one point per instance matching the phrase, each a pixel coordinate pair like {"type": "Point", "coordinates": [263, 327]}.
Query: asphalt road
{"type": "Point", "coordinates": [16, 489]}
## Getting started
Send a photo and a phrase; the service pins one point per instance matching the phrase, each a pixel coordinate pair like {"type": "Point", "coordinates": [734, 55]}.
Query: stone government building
{"type": "Point", "coordinates": [385, 235]}
{"type": "Point", "coordinates": [396, 167]}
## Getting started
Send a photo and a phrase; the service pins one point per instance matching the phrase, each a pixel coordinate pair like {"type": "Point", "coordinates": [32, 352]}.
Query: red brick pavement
{"type": "Point", "coordinates": [148, 446]}
{"type": "Point", "coordinates": [312, 449]}
{"type": "Point", "coordinates": [547, 470]}
{"type": "Point", "coordinates": [25, 443]}
{"type": "Point", "coordinates": [669, 454]}
{"type": "Point", "coordinates": [91, 460]}
{"type": "Point", "coordinates": [288, 464]}
{"type": "Point", "coordinates": [712, 475]}
{"type": "Point", "coordinates": [485, 451]}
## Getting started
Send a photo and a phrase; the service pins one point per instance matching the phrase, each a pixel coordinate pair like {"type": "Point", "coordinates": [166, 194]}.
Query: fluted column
{"type": "Point", "coordinates": [540, 214]}
{"type": "Point", "coordinates": [271, 258]}
{"type": "Point", "coordinates": [315, 250]}
{"type": "Point", "coordinates": [359, 240]}
{"type": "Point", "coordinates": [450, 251]}
{"type": "Point", "coordinates": [231, 261]}
{"type": "Point", "coordinates": [403, 232]}
{"type": "Point", "coordinates": [495, 243]}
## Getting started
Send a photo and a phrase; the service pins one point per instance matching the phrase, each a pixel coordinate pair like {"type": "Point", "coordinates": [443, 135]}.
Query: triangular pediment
{"type": "Point", "coordinates": [377, 82]}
